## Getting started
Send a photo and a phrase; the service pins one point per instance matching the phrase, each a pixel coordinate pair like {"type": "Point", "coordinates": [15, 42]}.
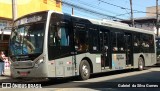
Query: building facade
{"type": "Point", "coordinates": [148, 22]}
{"type": "Point", "coordinates": [152, 11]}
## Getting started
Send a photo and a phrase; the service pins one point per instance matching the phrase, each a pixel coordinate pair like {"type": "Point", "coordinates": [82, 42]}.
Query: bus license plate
{"type": "Point", "coordinates": [23, 73]}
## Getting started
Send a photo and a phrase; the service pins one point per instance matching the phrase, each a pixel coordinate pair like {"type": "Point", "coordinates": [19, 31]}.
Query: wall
{"type": "Point", "coordinates": [152, 10]}
{"type": "Point", "coordinates": [28, 6]}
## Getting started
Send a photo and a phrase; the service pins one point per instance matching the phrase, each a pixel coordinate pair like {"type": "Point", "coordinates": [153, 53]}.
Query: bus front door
{"type": "Point", "coordinates": [104, 41]}
{"type": "Point", "coordinates": [128, 49]}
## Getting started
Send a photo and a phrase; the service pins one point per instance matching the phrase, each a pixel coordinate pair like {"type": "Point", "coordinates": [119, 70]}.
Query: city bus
{"type": "Point", "coordinates": [56, 45]}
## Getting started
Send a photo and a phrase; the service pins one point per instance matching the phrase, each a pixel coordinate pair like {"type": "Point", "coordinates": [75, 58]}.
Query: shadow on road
{"type": "Point", "coordinates": [141, 81]}
{"type": "Point", "coordinates": [152, 76]}
{"type": "Point", "coordinates": [71, 79]}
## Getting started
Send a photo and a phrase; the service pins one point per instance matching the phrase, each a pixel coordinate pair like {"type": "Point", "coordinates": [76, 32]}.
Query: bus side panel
{"type": "Point", "coordinates": [51, 68]}
{"type": "Point", "coordinates": [147, 59]}
{"type": "Point", "coordinates": [118, 61]}
{"type": "Point", "coordinates": [150, 59]}
{"type": "Point", "coordinates": [153, 58]}
{"type": "Point", "coordinates": [64, 67]}
{"type": "Point", "coordinates": [96, 62]}
{"type": "Point", "coordinates": [135, 59]}
{"type": "Point", "coordinates": [92, 57]}
{"type": "Point", "coordinates": [69, 65]}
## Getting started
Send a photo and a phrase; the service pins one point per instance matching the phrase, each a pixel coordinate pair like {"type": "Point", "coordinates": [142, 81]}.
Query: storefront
{"type": "Point", "coordinates": [5, 31]}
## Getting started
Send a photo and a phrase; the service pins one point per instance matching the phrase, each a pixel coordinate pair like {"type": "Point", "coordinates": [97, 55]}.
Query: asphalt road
{"type": "Point", "coordinates": [126, 80]}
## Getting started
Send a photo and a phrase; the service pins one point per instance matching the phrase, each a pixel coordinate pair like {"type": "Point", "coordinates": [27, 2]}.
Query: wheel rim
{"type": "Point", "coordinates": [85, 70]}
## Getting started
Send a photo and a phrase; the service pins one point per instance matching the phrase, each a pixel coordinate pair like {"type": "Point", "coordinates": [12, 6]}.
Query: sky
{"type": "Point", "coordinates": [117, 8]}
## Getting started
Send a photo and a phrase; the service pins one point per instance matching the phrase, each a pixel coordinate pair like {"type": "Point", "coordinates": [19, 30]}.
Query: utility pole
{"type": "Point", "coordinates": [131, 14]}
{"type": "Point", "coordinates": [14, 9]}
{"type": "Point", "coordinates": [157, 23]}
{"type": "Point", "coordinates": [72, 11]}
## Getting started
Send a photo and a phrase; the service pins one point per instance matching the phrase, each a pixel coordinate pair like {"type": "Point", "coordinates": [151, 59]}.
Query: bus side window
{"type": "Point", "coordinates": [81, 38]}
{"type": "Point", "coordinates": [136, 40]}
{"type": "Point", "coordinates": [59, 36]}
{"type": "Point", "coordinates": [63, 36]}
{"type": "Point", "coordinates": [118, 42]}
{"type": "Point", "coordinates": [52, 31]}
{"type": "Point", "coordinates": [93, 39]}
{"type": "Point", "coordinates": [151, 43]}
{"type": "Point", "coordinates": [114, 42]}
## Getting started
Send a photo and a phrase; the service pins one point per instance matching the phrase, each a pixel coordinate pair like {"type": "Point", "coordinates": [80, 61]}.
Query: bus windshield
{"type": "Point", "coordinates": [27, 39]}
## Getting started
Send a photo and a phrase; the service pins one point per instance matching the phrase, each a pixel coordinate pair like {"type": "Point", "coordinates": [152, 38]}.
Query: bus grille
{"type": "Point", "coordinates": [23, 64]}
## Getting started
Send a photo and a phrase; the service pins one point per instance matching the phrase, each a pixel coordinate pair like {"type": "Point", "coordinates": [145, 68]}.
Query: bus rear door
{"type": "Point", "coordinates": [104, 46]}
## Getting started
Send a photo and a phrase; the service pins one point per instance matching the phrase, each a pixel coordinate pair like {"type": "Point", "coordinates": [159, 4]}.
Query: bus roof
{"type": "Point", "coordinates": [108, 23]}
{"type": "Point", "coordinates": [119, 25]}
{"type": "Point", "coordinates": [116, 24]}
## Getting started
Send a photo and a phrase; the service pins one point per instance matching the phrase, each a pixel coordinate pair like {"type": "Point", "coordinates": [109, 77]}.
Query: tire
{"type": "Point", "coordinates": [140, 64]}
{"type": "Point", "coordinates": [84, 70]}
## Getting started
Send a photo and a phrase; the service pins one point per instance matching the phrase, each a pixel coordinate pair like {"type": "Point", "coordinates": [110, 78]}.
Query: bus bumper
{"type": "Point", "coordinates": [39, 72]}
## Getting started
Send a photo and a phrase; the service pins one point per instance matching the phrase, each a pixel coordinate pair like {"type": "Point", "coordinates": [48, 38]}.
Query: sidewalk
{"type": "Point", "coordinates": [6, 71]}
{"type": "Point", "coordinates": [7, 75]}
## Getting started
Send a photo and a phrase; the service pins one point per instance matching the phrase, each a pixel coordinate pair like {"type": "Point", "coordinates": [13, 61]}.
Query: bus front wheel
{"type": "Point", "coordinates": [140, 64]}
{"type": "Point", "coordinates": [84, 70]}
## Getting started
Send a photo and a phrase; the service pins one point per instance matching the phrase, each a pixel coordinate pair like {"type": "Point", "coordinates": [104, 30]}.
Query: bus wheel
{"type": "Point", "coordinates": [140, 64]}
{"type": "Point", "coordinates": [84, 70]}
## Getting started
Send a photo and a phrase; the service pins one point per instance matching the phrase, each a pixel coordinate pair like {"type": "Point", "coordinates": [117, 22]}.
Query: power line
{"type": "Point", "coordinates": [87, 4]}
{"type": "Point", "coordinates": [90, 11]}
{"type": "Point", "coordinates": [124, 7]}
{"type": "Point", "coordinates": [102, 9]}
{"type": "Point", "coordinates": [78, 12]}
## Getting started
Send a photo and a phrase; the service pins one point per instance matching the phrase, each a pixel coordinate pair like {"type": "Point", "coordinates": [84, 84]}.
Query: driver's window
{"type": "Point", "coordinates": [58, 36]}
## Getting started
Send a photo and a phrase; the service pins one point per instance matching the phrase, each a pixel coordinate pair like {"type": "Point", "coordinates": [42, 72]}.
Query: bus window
{"type": "Point", "coordinates": [136, 40]}
{"type": "Point", "coordinates": [117, 42]}
{"type": "Point", "coordinates": [114, 41]}
{"type": "Point", "coordinates": [63, 36]}
{"type": "Point", "coordinates": [151, 44]}
{"type": "Point", "coordinates": [93, 39]}
{"type": "Point", "coordinates": [145, 42]}
{"type": "Point", "coordinates": [120, 41]}
{"type": "Point", "coordinates": [81, 38]}
{"type": "Point", "coordinates": [59, 36]}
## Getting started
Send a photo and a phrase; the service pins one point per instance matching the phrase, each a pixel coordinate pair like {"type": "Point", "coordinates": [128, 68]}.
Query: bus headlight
{"type": "Point", "coordinates": [39, 62]}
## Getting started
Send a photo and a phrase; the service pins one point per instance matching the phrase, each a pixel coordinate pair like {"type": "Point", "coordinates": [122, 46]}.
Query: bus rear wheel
{"type": "Point", "coordinates": [140, 64]}
{"type": "Point", "coordinates": [84, 70]}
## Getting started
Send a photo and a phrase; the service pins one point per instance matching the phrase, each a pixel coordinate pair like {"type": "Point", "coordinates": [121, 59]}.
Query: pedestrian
{"type": "Point", "coordinates": [2, 61]}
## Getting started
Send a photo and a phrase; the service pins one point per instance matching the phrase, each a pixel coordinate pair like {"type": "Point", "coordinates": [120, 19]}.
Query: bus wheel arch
{"type": "Point", "coordinates": [90, 63]}
{"type": "Point", "coordinates": [141, 63]}
{"type": "Point", "coordinates": [85, 68]}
